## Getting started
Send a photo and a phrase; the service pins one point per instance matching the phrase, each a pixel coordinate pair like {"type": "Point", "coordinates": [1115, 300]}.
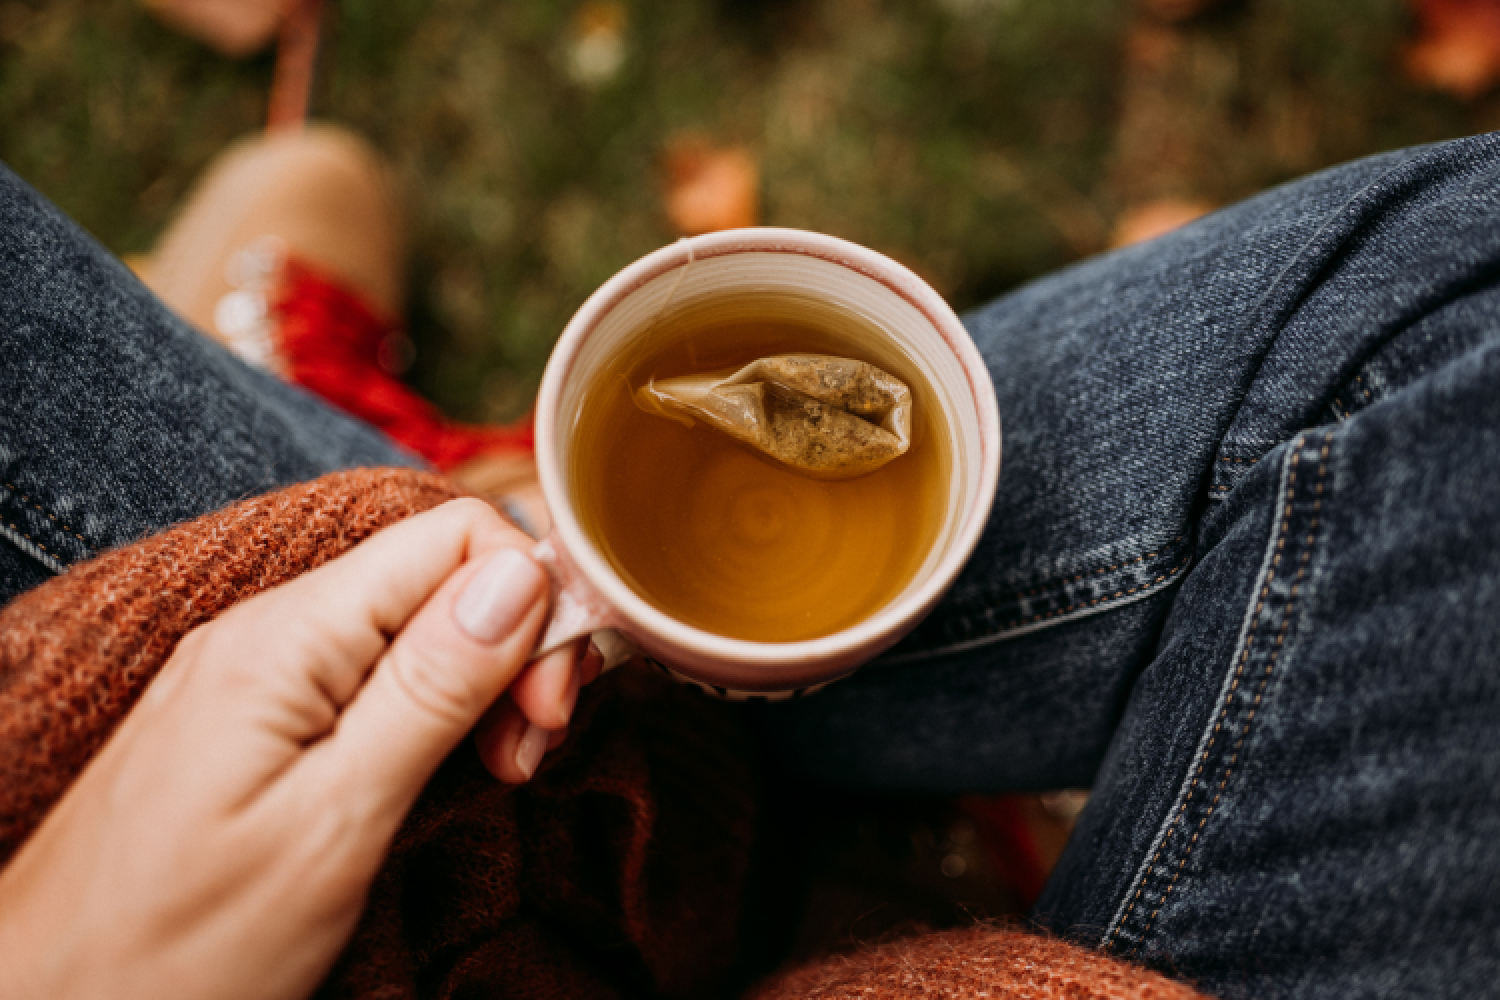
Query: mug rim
{"type": "Point", "coordinates": [817, 656]}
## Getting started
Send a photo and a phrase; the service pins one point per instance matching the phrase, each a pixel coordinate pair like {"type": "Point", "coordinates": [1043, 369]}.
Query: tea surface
{"type": "Point", "coordinates": [730, 541]}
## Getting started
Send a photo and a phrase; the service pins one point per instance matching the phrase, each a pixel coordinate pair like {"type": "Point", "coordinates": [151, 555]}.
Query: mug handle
{"type": "Point", "coordinates": [577, 610]}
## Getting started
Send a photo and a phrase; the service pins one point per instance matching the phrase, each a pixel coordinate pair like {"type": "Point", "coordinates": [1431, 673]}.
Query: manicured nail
{"type": "Point", "coordinates": [497, 597]}
{"type": "Point", "coordinates": [530, 750]}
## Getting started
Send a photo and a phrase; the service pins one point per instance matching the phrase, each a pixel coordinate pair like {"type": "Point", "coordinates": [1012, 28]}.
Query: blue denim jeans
{"type": "Point", "coordinates": [117, 419]}
{"type": "Point", "coordinates": [1242, 577]}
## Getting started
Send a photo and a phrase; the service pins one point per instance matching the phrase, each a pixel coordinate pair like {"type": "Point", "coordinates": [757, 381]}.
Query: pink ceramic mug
{"type": "Point", "coordinates": [913, 320]}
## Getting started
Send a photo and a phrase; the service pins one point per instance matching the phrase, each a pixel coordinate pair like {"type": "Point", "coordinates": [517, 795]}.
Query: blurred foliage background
{"type": "Point", "coordinates": [982, 142]}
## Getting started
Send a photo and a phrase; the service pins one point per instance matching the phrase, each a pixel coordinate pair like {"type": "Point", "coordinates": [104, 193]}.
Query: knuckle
{"type": "Point", "coordinates": [432, 683]}
{"type": "Point", "coordinates": [242, 652]}
{"type": "Point", "coordinates": [470, 511]}
{"type": "Point", "coordinates": [218, 649]}
{"type": "Point", "coordinates": [472, 519]}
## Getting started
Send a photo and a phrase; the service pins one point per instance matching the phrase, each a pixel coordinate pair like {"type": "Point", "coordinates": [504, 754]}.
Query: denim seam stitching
{"type": "Point", "coordinates": [1286, 622]}
{"type": "Point", "coordinates": [1272, 558]}
{"type": "Point", "coordinates": [1218, 723]}
{"type": "Point", "coordinates": [1104, 569]}
{"type": "Point", "coordinates": [1078, 606]}
{"type": "Point", "coordinates": [1061, 585]}
{"type": "Point", "coordinates": [32, 548]}
{"type": "Point", "coordinates": [1027, 625]}
{"type": "Point", "coordinates": [45, 513]}
{"type": "Point", "coordinates": [1344, 410]}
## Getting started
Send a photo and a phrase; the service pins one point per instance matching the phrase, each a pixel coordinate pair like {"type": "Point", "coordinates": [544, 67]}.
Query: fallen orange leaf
{"type": "Point", "coordinates": [707, 188]}
{"type": "Point", "coordinates": [1148, 221]}
{"type": "Point", "coordinates": [1457, 49]}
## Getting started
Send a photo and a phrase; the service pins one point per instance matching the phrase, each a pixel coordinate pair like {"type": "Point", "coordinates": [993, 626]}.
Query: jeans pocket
{"type": "Point", "coordinates": [1268, 625]}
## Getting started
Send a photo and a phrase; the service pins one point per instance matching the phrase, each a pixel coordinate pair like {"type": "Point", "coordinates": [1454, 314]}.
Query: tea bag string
{"type": "Point", "coordinates": [661, 309]}
{"type": "Point", "coordinates": [682, 273]}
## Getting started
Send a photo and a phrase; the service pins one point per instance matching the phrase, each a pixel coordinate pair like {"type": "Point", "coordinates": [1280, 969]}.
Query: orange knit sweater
{"type": "Point", "coordinates": [616, 872]}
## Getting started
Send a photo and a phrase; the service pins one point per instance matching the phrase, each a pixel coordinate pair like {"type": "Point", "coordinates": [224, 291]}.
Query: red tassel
{"type": "Point", "coordinates": [1458, 46]}
{"type": "Point", "coordinates": [330, 343]}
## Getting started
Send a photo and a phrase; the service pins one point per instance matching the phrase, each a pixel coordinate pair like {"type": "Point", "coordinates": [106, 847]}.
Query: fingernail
{"type": "Point", "coordinates": [497, 597]}
{"type": "Point", "coordinates": [530, 750]}
{"type": "Point", "coordinates": [570, 693]}
{"type": "Point", "coordinates": [589, 666]}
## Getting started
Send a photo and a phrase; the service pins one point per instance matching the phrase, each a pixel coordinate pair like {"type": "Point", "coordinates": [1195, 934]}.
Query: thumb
{"type": "Point", "coordinates": [453, 658]}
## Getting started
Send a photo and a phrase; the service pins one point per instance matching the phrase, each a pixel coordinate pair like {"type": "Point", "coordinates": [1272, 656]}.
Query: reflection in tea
{"type": "Point", "coordinates": [728, 540]}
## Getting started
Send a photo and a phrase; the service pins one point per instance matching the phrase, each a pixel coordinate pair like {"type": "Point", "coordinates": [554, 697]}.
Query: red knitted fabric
{"type": "Point", "coordinates": [618, 871]}
{"type": "Point", "coordinates": [76, 653]}
{"type": "Point", "coordinates": [329, 342]}
{"type": "Point", "coordinates": [975, 962]}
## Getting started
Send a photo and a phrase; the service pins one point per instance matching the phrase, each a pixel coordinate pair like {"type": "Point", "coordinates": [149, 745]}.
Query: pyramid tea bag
{"type": "Point", "coordinates": [833, 418]}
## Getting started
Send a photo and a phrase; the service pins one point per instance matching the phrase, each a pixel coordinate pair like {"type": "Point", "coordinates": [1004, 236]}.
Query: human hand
{"type": "Point", "coordinates": [222, 842]}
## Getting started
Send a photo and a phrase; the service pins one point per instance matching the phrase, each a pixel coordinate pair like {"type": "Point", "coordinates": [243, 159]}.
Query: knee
{"type": "Point", "coordinates": [318, 166]}
{"type": "Point", "coordinates": [327, 159]}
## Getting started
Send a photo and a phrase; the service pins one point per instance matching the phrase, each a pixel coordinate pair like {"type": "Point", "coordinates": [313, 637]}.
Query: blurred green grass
{"type": "Point", "coordinates": [982, 142]}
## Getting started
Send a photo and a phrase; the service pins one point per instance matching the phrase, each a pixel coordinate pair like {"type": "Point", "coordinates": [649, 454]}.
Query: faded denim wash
{"type": "Point", "coordinates": [1242, 577]}
{"type": "Point", "coordinates": [116, 418]}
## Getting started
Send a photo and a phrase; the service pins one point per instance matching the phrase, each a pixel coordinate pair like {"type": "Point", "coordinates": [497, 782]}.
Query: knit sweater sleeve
{"type": "Point", "coordinates": [76, 652]}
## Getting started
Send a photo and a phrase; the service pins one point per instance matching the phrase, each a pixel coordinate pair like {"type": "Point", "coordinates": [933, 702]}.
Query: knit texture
{"type": "Point", "coordinates": [974, 962]}
{"type": "Point", "coordinates": [618, 871]}
{"type": "Point", "coordinates": [76, 652]}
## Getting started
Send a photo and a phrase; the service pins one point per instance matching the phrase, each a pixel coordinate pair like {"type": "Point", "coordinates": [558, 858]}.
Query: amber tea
{"type": "Point", "coordinates": [726, 539]}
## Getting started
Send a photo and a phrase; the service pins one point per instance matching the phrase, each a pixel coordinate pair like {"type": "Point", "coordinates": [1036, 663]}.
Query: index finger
{"type": "Point", "coordinates": [317, 638]}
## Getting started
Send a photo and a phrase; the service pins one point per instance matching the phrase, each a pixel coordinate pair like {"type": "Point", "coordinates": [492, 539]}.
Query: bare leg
{"type": "Point", "coordinates": [328, 197]}
{"type": "Point", "coordinates": [322, 191]}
